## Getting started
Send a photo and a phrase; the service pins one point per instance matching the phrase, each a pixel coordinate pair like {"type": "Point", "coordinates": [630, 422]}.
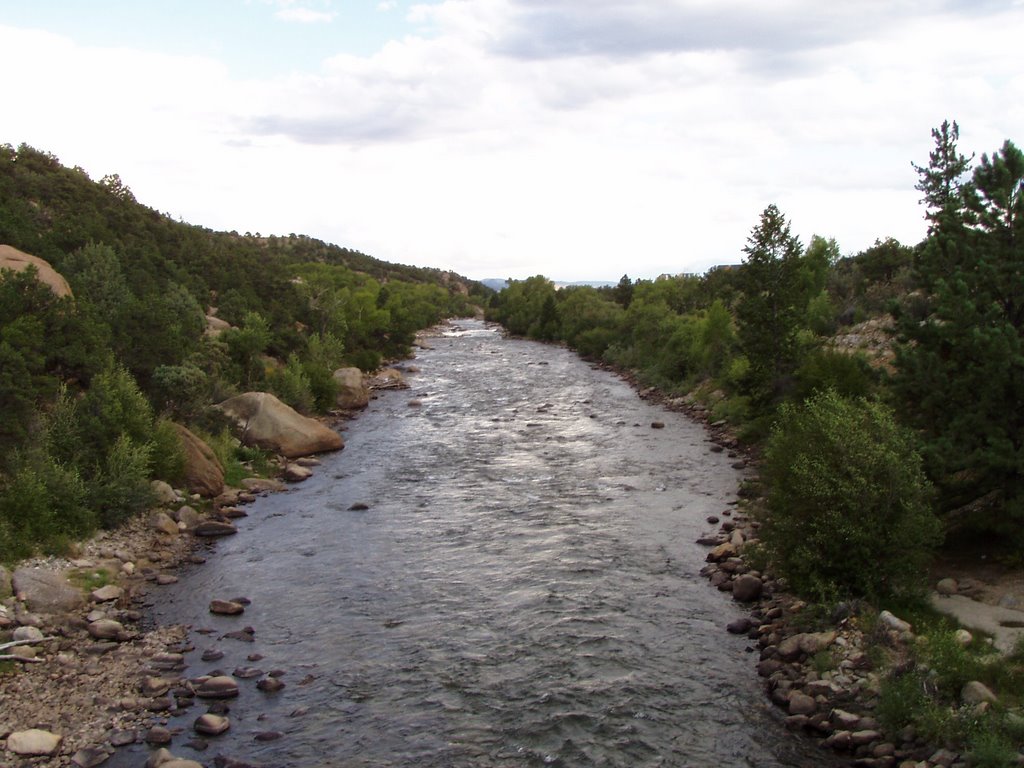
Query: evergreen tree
{"type": "Point", "coordinates": [960, 367]}
{"type": "Point", "coordinates": [769, 312]}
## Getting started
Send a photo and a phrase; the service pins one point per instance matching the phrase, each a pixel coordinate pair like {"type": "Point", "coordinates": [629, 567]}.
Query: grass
{"type": "Point", "coordinates": [88, 579]}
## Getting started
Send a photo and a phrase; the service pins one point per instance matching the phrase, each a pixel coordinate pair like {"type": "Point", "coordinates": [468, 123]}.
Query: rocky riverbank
{"type": "Point", "coordinates": [824, 672]}
{"type": "Point", "coordinates": [89, 671]}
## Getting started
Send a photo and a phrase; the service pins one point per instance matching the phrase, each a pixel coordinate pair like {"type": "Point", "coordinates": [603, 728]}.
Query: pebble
{"type": "Point", "coordinates": [211, 725]}
{"type": "Point", "coordinates": [217, 687]}
{"type": "Point", "coordinates": [226, 607]}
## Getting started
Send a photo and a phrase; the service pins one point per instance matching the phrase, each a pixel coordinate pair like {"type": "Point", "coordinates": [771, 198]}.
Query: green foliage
{"type": "Point", "coordinates": [849, 375]}
{"type": "Point", "coordinates": [180, 391]}
{"type": "Point", "coordinates": [960, 366]}
{"type": "Point", "coordinates": [848, 502]}
{"type": "Point", "coordinates": [769, 312]}
{"type": "Point", "coordinates": [168, 454]}
{"type": "Point", "coordinates": [291, 385]}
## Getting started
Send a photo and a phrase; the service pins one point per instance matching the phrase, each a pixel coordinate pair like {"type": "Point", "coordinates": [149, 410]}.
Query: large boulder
{"type": "Point", "coordinates": [266, 422]}
{"type": "Point", "coordinates": [204, 473]}
{"type": "Point", "coordinates": [12, 258]}
{"type": "Point", "coordinates": [352, 389]}
{"type": "Point", "coordinates": [46, 591]}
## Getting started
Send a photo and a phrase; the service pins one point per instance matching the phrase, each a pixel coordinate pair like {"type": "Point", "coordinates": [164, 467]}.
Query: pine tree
{"type": "Point", "coordinates": [770, 310]}
{"type": "Point", "coordinates": [960, 367]}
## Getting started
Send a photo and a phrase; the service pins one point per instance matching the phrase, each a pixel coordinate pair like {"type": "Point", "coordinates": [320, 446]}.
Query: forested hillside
{"type": "Point", "coordinates": [885, 388]}
{"type": "Point", "coordinates": [88, 382]}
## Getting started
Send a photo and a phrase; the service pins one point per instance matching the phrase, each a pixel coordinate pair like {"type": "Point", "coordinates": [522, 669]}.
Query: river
{"type": "Point", "coordinates": [522, 587]}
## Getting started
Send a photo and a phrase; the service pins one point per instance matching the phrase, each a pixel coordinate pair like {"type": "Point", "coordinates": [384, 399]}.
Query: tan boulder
{"type": "Point", "coordinates": [266, 422]}
{"type": "Point", "coordinates": [46, 591]}
{"type": "Point", "coordinates": [352, 389]}
{"type": "Point", "coordinates": [215, 326]}
{"type": "Point", "coordinates": [12, 258]}
{"type": "Point", "coordinates": [203, 471]}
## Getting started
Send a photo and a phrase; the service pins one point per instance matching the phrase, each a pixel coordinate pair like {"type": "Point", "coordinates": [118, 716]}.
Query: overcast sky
{"type": "Point", "coordinates": [579, 139]}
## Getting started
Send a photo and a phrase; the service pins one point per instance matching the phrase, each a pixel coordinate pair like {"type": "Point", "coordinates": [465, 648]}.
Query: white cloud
{"type": "Point", "coordinates": [589, 156]}
{"type": "Point", "coordinates": [304, 15]}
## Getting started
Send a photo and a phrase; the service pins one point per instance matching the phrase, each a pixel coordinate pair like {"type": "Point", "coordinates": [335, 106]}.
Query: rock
{"type": "Point", "coordinates": [352, 389]}
{"type": "Point", "coordinates": [266, 422]}
{"type": "Point", "coordinates": [388, 378]}
{"type": "Point", "coordinates": [892, 622]}
{"type": "Point", "coordinates": [154, 686]}
{"type": "Point", "coordinates": [864, 737]}
{"type": "Point", "coordinates": [107, 629]}
{"type": "Point", "coordinates": [46, 591]}
{"type": "Point", "coordinates": [188, 517]}
{"type": "Point", "coordinates": [268, 735]}
{"type": "Point", "coordinates": [165, 579]}
{"type": "Point", "coordinates": [226, 607]}
{"type": "Point", "coordinates": [293, 473]}
{"type": "Point", "coordinates": [844, 720]}
{"type": "Point", "coordinates": [739, 626]}
{"type": "Point", "coordinates": [162, 523]}
{"type": "Point", "coordinates": [746, 588]}
{"type": "Point", "coordinates": [179, 762]}
{"type": "Point", "coordinates": [947, 587]}
{"type": "Point", "coordinates": [165, 495]}
{"type": "Point", "coordinates": [261, 484]}
{"type": "Point", "coordinates": [721, 552]}
{"type": "Point", "coordinates": [211, 725]}
{"type": "Point", "coordinates": [5, 582]}
{"type": "Point", "coordinates": [801, 704]}
{"type": "Point", "coordinates": [90, 757]}
{"type": "Point", "coordinates": [33, 742]}
{"type": "Point", "coordinates": [18, 261]}
{"type": "Point", "coordinates": [975, 692]}
{"type": "Point", "coordinates": [210, 528]}
{"type": "Point", "coordinates": [212, 654]}
{"type": "Point", "coordinates": [27, 633]}
{"type": "Point", "coordinates": [269, 684]}
{"type": "Point", "coordinates": [107, 593]}
{"type": "Point", "coordinates": [657, 425]}
{"type": "Point", "coordinates": [963, 638]}
{"type": "Point", "coordinates": [219, 687]}
{"type": "Point", "coordinates": [203, 471]}
{"type": "Point", "coordinates": [159, 757]}
{"type": "Point", "coordinates": [215, 326]}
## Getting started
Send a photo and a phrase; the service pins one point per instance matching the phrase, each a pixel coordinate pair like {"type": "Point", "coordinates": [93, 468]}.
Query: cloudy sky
{"type": "Point", "coordinates": [580, 139]}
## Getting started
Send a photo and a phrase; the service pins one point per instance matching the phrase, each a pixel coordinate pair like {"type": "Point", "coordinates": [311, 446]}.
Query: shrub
{"type": "Point", "coordinates": [121, 488]}
{"type": "Point", "coordinates": [167, 457]}
{"type": "Point", "coordinates": [848, 511]}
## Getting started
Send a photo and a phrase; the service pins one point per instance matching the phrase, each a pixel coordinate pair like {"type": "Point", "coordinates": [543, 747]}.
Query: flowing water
{"type": "Point", "coordinates": [522, 588]}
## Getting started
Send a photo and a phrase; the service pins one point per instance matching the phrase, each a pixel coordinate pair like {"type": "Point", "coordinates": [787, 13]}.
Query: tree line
{"type": "Point", "coordinates": [869, 459]}
{"type": "Point", "coordinates": [89, 383]}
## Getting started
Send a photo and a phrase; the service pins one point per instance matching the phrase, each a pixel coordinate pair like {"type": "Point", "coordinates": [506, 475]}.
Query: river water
{"type": "Point", "coordinates": [522, 588]}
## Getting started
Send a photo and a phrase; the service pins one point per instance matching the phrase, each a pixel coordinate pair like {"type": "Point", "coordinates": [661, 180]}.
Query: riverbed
{"type": "Point", "coordinates": [500, 569]}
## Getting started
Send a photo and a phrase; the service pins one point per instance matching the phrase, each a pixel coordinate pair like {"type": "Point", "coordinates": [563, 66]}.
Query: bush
{"type": "Point", "coordinates": [848, 511]}
{"type": "Point", "coordinates": [167, 457]}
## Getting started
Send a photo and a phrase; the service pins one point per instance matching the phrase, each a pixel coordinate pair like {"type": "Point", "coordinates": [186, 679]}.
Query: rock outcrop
{"type": "Point", "coordinates": [353, 392]}
{"type": "Point", "coordinates": [46, 591]}
{"type": "Point", "coordinates": [203, 471]}
{"type": "Point", "coordinates": [12, 258]}
{"type": "Point", "coordinates": [266, 422]}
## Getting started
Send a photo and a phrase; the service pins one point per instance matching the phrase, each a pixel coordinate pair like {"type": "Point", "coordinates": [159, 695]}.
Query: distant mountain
{"type": "Point", "coordinates": [499, 284]}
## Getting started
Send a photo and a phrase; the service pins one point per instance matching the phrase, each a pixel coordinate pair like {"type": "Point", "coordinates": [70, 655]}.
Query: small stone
{"type": "Point", "coordinates": [358, 507]}
{"type": "Point", "coordinates": [963, 638]}
{"type": "Point", "coordinates": [947, 587]}
{"type": "Point", "coordinates": [34, 742]}
{"type": "Point", "coordinates": [211, 725]}
{"type": "Point", "coordinates": [712, 520]}
{"type": "Point", "coordinates": [212, 654]}
{"type": "Point", "coordinates": [158, 735]}
{"type": "Point", "coordinates": [90, 757]}
{"type": "Point", "coordinates": [27, 633]}
{"type": "Point", "coordinates": [219, 687]}
{"type": "Point", "coordinates": [165, 579]}
{"type": "Point", "coordinates": [657, 425]}
{"type": "Point", "coordinates": [801, 704]}
{"type": "Point", "coordinates": [739, 626]}
{"type": "Point", "coordinates": [268, 736]}
{"type": "Point", "coordinates": [226, 607]}
{"type": "Point", "coordinates": [211, 528]}
{"type": "Point", "coordinates": [746, 588]}
{"type": "Point", "coordinates": [161, 522]}
{"type": "Point", "coordinates": [107, 593]}
{"type": "Point", "coordinates": [154, 686]}
{"type": "Point", "coordinates": [293, 473]}
{"type": "Point", "coordinates": [247, 673]}
{"type": "Point", "coordinates": [975, 692]}
{"type": "Point", "coordinates": [122, 738]}
{"type": "Point", "coordinates": [107, 629]}
{"type": "Point", "coordinates": [270, 684]}
{"type": "Point", "coordinates": [892, 622]}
